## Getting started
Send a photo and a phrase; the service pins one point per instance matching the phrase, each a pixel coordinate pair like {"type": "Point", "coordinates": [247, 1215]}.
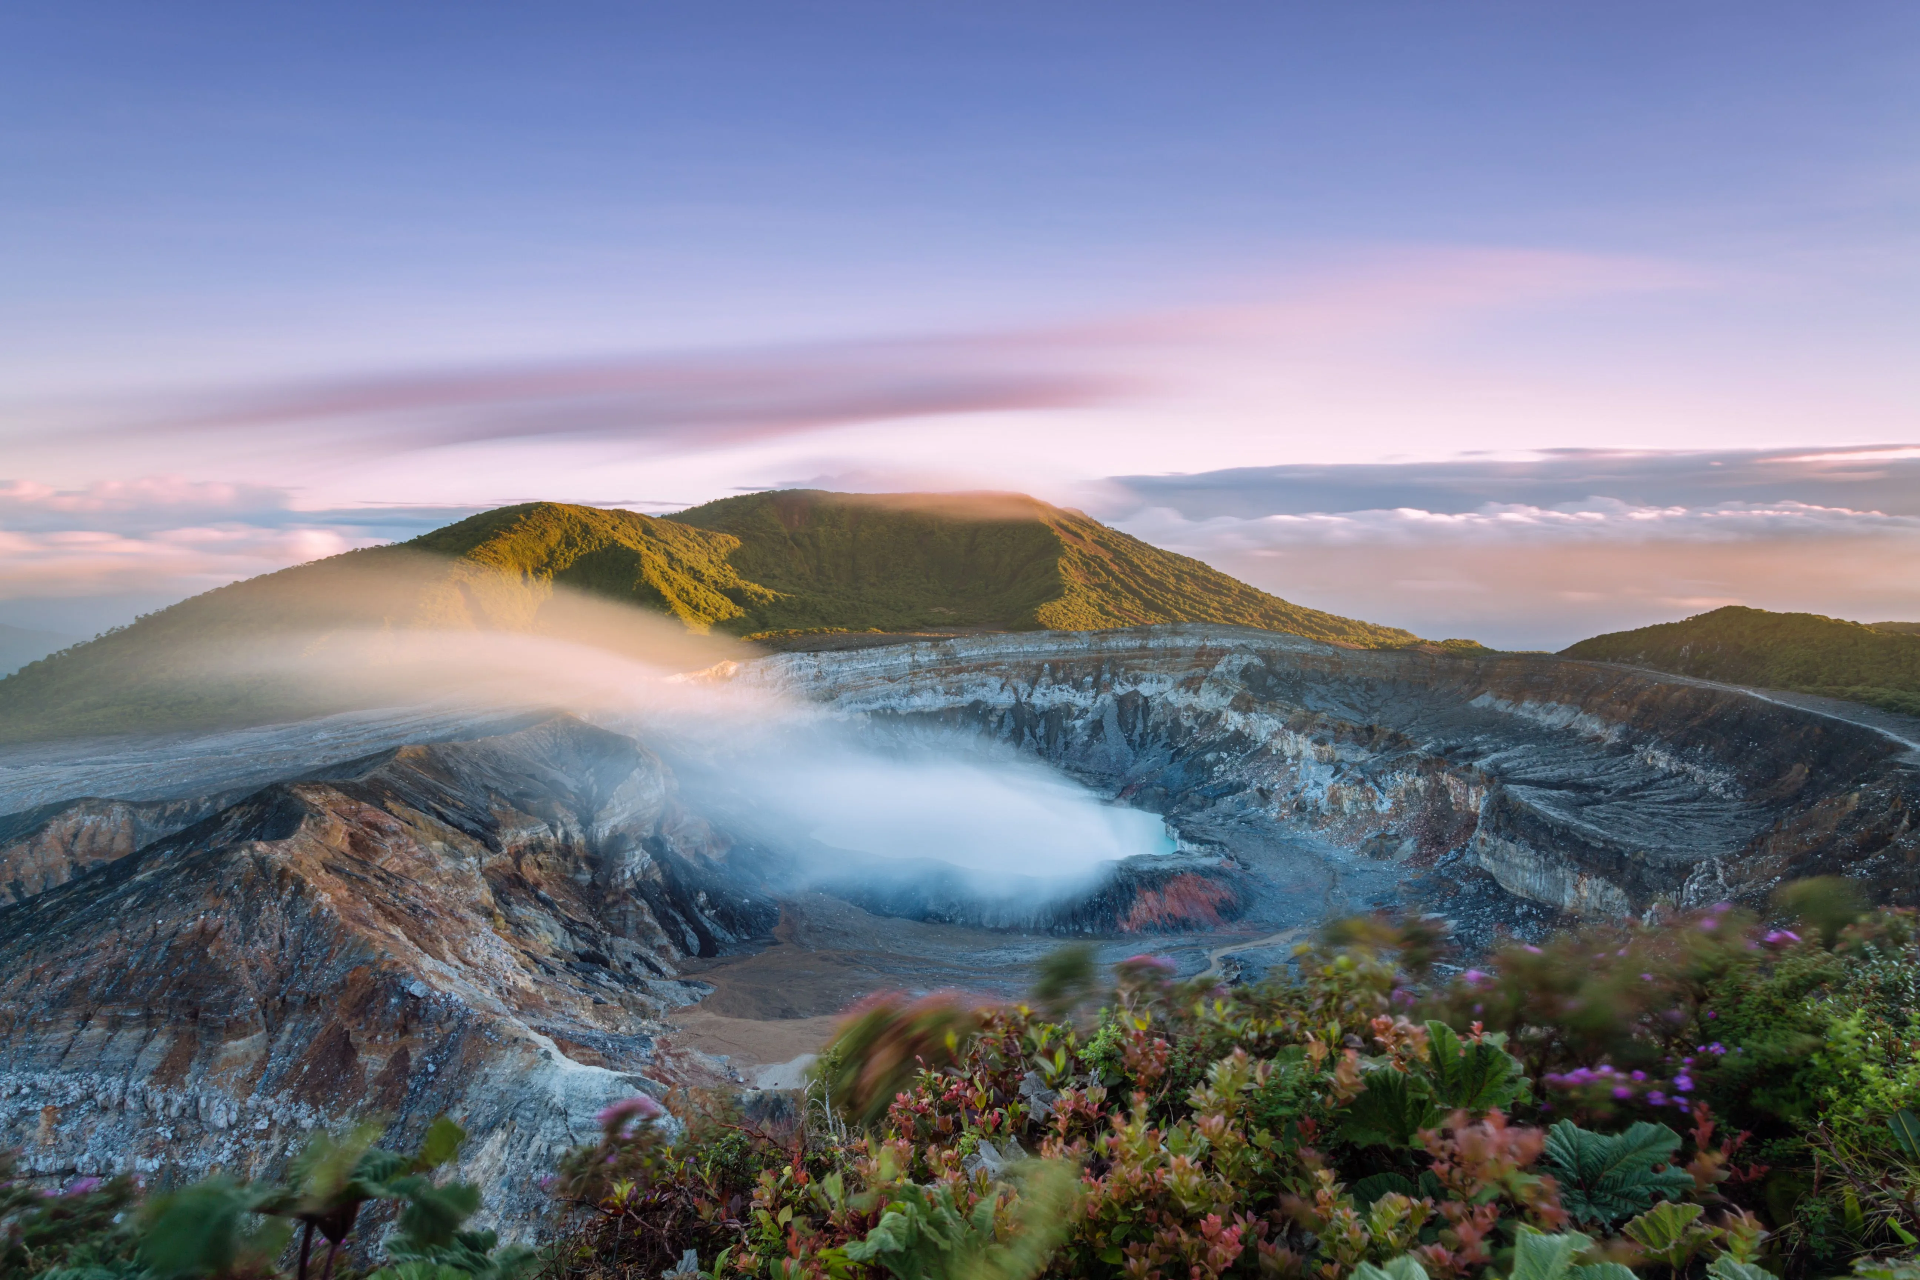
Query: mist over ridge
{"type": "Point", "coordinates": [785, 568]}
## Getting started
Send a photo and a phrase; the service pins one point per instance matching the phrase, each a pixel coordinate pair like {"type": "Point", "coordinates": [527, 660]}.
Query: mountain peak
{"type": "Point", "coordinates": [782, 567]}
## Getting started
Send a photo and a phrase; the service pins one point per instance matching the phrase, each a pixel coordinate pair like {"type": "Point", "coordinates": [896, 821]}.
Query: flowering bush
{"type": "Point", "coordinates": [1698, 1095]}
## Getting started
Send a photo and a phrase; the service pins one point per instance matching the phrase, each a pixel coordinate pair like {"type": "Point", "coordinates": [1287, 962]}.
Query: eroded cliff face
{"type": "Point", "coordinates": [486, 929]}
{"type": "Point", "coordinates": [1589, 788]}
{"type": "Point", "coordinates": [44, 847]}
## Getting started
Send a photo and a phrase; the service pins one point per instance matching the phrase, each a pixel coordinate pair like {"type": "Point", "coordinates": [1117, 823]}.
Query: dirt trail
{"type": "Point", "coordinates": [1280, 939]}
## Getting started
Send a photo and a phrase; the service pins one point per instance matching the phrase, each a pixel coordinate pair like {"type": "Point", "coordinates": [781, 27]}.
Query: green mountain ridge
{"type": "Point", "coordinates": [1878, 664]}
{"type": "Point", "coordinates": [768, 566]}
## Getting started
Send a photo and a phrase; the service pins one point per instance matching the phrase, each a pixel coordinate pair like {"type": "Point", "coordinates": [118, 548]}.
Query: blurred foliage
{"type": "Point", "coordinates": [223, 1229]}
{"type": "Point", "coordinates": [1699, 1095]}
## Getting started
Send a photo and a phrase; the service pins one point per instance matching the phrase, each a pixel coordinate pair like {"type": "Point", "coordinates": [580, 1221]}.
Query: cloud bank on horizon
{"type": "Point", "coordinates": [1515, 328]}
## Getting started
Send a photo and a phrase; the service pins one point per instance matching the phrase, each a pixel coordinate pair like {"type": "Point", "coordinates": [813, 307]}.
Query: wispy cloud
{"type": "Point", "coordinates": [1539, 552]}
{"type": "Point", "coordinates": [1883, 478]}
{"type": "Point", "coordinates": [662, 403]}
{"type": "Point", "coordinates": [668, 403]}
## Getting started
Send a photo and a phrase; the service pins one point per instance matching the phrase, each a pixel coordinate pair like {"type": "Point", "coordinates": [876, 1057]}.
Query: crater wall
{"type": "Point", "coordinates": [1586, 787]}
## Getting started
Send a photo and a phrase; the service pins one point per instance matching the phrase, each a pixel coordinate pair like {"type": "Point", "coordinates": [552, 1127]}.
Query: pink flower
{"type": "Point", "coordinates": [622, 1114]}
{"type": "Point", "coordinates": [1622, 1092]}
{"type": "Point", "coordinates": [1657, 1098]}
{"type": "Point", "coordinates": [1781, 938]}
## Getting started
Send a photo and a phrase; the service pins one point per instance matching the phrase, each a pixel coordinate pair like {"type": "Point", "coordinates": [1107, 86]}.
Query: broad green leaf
{"type": "Point", "coordinates": [1373, 1186]}
{"type": "Point", "coordinates": [1473, 1077]}
{"type": "Point", "coordinates": [1404, 1267]}
{"type": "Point", "coordinates": [1603, 1271]}
{"type": "Point", "coordinates": [1607, 1177]}
{"type": "Point", "coordinates": [206, 1230]}
{"type": "Point", "coordinates": [1725, 1268]}
{"type": "Point", "coordinates": [1905, 1127]}
{"type": "Point", "coordinates": [1538, 1256]}
{"type": "Point", "coordinates": [1666, 1231]}
{"type": "Point", "coordinates": [1389, 1111]}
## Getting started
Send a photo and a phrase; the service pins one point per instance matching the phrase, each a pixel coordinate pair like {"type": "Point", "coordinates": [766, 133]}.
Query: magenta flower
{"type": "Point", "coordinates": [1622, 1092]}
{"type": "Point", "coordinates": [1781, 938]}
{"type": "Point", "coordinates": [1684, 1083]}
{"type": "Point", "coordinates": [1657, 1098]}
{"type": "Point", "coordinates": [80, 1186]}
{"type": "Point", "coordinates": [1473, 977]}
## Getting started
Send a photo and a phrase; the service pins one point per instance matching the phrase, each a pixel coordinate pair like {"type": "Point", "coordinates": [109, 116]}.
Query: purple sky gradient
{"type": "Point", "coordinates": [280, 281]}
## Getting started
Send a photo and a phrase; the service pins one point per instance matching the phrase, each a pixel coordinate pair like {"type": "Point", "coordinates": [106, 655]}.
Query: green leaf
{"type": "Point", "coordinates": [1389, 1112]}
{"type": "Point", "coordinates": [1473, 1077]}
{"type": "Point", "coordinates": [1538, 1256]}
{"type": "Point", "coordinates": [1603, 1271]}
{"type": "Point", "coordinates": [1725, 1268]}
{"type": "Point", "coordinates": [1373, 1186]}
{"type": "Point", "coordinates": [1905, 1127]}
{"type": "Point", "coordinates": [1404, 1267]}
{"type": "Point", "coordinates": [440, 1145]}
{"type": "Point", "coordinates": [206, 1229]}
{"type": "Point", "coordinates": [1667, 1231]}
{"type": "Point", "coordinates": [1605, 1178]}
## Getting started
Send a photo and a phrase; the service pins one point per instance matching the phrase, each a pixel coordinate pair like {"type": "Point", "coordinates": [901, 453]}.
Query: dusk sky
{"type": "Point", "coordinates": [1518, 322]}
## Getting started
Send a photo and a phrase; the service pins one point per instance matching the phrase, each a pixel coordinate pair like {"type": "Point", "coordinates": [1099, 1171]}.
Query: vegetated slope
{"type": "Point", "coordinates": [220, 657]}
{"type": "Point", "coordinates": [1898, 628]}
{"type": "Point", "coordinates": [763, 566]}
{"type": "Point", "coordinates": [995, 561]}
{"type": "Point", "coordinates": [21, 645]}
{"type": "Point", "coordinates": [1804, 652]}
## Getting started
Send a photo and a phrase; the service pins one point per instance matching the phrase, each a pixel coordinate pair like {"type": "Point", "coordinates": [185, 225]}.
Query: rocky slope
{"type": "Point", "coordinates": [1585, 787]}
{"type": "Point", "coordinates": [486, 928]}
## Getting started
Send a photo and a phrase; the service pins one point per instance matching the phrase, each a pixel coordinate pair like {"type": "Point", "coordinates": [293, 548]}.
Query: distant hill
{"type": "Point", "coordinates": [774, 567]}
{"type": "Point", "coordinates": [900, 562]}
{"type": "Point", "coordinates": [1878, 665]}
{"type": "Point", "coordinates": [21, 645]}
{"type": "Point", "coordinates": [1898, 628]}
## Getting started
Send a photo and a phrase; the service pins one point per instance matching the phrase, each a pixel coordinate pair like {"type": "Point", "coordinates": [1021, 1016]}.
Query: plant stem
{"type": "Point", "coordinates": [306, 1247]}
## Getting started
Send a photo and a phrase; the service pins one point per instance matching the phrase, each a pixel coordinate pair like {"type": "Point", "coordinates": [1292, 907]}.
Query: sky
{"type": "Point", "coordinates": [1509, 321]}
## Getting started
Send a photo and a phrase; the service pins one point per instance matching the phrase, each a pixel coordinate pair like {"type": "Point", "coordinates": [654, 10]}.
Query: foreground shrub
{"type": "Point", "coordinates": [222, 1229]}
{"type": "Point", "coordinates": [1698, 1096]}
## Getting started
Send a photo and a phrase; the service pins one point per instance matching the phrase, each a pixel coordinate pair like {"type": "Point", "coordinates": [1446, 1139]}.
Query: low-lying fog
{"type": "Point", "coordinates": [798, 777]}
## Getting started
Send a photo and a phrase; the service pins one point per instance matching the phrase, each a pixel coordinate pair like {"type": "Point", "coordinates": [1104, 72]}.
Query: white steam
{"type": "Point", "coordinates": [797, 778]}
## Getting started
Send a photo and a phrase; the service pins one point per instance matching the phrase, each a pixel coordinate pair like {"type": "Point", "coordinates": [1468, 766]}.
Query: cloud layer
{"type": "Point", "coordinates": [1539, 553]}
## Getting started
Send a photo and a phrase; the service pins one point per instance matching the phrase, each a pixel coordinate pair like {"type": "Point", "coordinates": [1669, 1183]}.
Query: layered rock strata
{"type": "Point", "coordinates": [1590, 788]}
{"type": "Point", "coordinates": [486, 929]}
